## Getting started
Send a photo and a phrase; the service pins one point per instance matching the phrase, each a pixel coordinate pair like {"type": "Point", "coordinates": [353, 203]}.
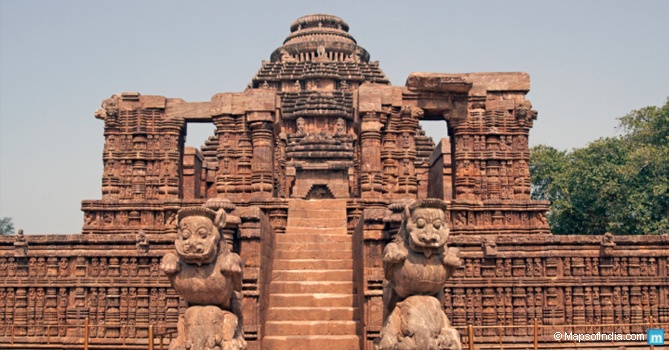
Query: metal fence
{"type": "Point", "coordinates": [49, 338]}
{"type": "Point", "coordinates": [542, 337]}
{"type": "Point", "coordinates": [531, 337]}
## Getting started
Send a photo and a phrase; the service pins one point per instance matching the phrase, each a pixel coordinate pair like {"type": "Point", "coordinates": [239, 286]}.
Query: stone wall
{"type": "Point", "coordinates": [115, 282]}
{"type": "Point", "coordinates": [512, 279]}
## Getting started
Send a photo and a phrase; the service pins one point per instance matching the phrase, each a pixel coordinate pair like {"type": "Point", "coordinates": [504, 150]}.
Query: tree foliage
{"type": "Point", "coordinates": [618, 184]}
{"type": "Point", "coordinates": [6, 226]}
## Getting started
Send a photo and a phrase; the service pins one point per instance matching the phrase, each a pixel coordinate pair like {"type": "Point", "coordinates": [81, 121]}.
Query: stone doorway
{"type": "Point", "coordinates": [320, 192]}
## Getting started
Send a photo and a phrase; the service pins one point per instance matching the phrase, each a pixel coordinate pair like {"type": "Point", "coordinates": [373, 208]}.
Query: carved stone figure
{"type": "Point", "coordinates": [209, 277]}
{"type": "Point", "coordinates": [341, 126]}
{"type": "Point", "coordinates": [300, 126]}
{"type": "Point", "coordinates": [417, 264]}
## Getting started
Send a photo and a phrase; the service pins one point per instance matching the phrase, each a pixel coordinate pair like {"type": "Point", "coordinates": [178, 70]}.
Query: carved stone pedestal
{"type": "Point", "coordinates": [208, 328]}
{"type": "Point", "coordinates": [418, 322]}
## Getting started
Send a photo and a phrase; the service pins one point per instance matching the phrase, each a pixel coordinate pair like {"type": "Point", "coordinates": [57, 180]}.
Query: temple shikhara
{"type": "Point", "coordinates": [336, 215]}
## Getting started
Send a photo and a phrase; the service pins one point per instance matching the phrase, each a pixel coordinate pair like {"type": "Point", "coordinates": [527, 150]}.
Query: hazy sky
{"type": "Point", "coordinates": [590, 62]}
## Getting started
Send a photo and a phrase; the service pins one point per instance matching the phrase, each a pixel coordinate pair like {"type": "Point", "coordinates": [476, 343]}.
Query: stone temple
{"type": "Point", "coordinates": [314, 165]}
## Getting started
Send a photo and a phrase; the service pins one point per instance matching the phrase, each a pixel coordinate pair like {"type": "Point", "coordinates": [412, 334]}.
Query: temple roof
{"type": "Point", "coordinates": [319, 46]}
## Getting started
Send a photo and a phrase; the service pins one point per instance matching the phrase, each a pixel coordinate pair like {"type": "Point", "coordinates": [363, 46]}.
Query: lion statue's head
{"type": "Point", "coordinates": [425, 225]}
{"type": "Point", "coordinates": [198, 236]}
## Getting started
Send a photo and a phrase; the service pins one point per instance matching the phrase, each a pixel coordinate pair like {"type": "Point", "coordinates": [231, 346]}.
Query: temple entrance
{"type": "Point", "coordinates": [320, 184]}
{"type": "Point", "coordinates": [320, 192]}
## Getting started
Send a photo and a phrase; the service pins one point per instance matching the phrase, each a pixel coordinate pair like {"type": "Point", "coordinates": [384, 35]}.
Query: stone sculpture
{"type": "Point", "coordinates": [417, 264]}
{"type": "Point", "coordinates": [209, 277]}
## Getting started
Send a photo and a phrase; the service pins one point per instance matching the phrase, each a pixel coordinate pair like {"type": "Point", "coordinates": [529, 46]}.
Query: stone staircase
{"type": "Point", "coordinates": [312, 298]}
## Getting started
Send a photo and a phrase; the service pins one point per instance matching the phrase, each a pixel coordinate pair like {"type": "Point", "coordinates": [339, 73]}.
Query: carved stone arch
{"type": "Point", "coordinates": [320, 191]}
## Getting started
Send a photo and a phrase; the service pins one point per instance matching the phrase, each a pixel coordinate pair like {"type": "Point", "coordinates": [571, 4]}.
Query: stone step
{"type": "Point", "coordinates": [315, 299]}
{"type": "Point", "coordinates": [319, 213]}
{"type": "Point", "coordinates": [310, 327]}
{"type": "Point", "coordinates": [290, 246]}
{"type": "Point", "coordinates": [312, 264]}
{"type": "Point", "coordinates": [313, 237]}
{"type": "Point", "coordinates": [316, 222]}
{"type": "Point", "coordinates": [295, 230]}
{"type": "Point", "coordinates": [311, 287]}
{"type": "Point", "coordinates": [313, 254]}
{"type": "Point", "coordinates": [312, 313]}
{"type": "Point", "coordinates": [327, 204]}
{"type": "Point", "coordinates": [312, 275]}
{"type": "Point", "coordinates": [311, 342]}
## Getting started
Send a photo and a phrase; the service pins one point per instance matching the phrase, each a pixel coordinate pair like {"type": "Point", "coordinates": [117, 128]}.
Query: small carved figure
{"type": "Point", "coordinates": [300, 125]}
{"type": "Point", "coordinates": [63, 267]}
{"type": "Point", "coordinates": [41, 267]}
{"type": "Point", "coordinates": [417, 264]}
{"type": "Point", "coordinates": [341, 126]}
{"type": "Point", "coordinates": [20, 237]}
{"type": "Point", "coordinates": [103, 267]}
{"type": "Point", "coordinates": [11, 268]}
{"type": "Point", "coordinates": [209, 277]}
{"type": "Point", "coordinates": [3, 267]}
{"type": "Point", "coordinates": [286, 56]}
{"type": "Point", "coordinates": [94, 268]}
{"type": "Point", "coordinates": [171, 219]}
{"type": "Point", "coordinates": [652, 270]}
{"type": "Point", "coordinates": [32, 267]}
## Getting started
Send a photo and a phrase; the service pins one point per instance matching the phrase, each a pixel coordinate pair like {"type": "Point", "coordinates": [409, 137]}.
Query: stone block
{"type": "Point", "coordinates": [150, 101]}
{"type": "Point", "coordinates": [325, 246]}
{"type": "Point", "coordinates": [312, 275]}
{"type": "Point", "coordinates": [310, 342]}
{"type": "Point", "coordinates": [312, 313]}
{"type": "Point", "coordinates": [316, 222]}
{"type": "Point", "coordinates": [311, 327]}
{"type": "Point", "coordinates": [315, 299]}
{"type": "Point", "coordinates": [313, 254]}
{"type": "Point", "coordinates": [315, 236]}
{"type": "Point", "coordinates": [311, 287]}
{"type": "Point", "coordinates": [316, 231]}
{"type": "Point", "coordinates": [316, 264]}
{"type": "Point", "coordinates": [317, 213]}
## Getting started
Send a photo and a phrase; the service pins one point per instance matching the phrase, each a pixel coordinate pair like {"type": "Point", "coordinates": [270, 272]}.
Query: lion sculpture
{"type": "Point", "coordinates": [416, 265]}
{"type": "Point", "coordinates": [209, 277]}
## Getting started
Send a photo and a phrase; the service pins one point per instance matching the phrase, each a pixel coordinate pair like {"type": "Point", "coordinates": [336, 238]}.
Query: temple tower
{"type": "Point", "coordinates": [316, 74]}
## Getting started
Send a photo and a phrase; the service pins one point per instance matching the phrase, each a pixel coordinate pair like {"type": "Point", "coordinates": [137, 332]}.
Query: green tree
{"type": "Point", "coordinates": [618, 184]}
{"type": "Point", "coordinates": [6, 226]}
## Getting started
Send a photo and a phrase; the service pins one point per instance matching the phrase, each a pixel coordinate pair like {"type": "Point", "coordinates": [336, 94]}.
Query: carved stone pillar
{"type": "Point", "coordinates": [226, 153]}
{"type": "Point", "coordinates": [370, 164]}
{"type": "Point", "coordinates": [262, 165]}
{"type": "Point", "coordinates": [465, 177]}
{"type": "Point", "coordinates": [407, 184]}
{"type": "Point", "coordinates": [244, 173]}
{"type": "Point", "coordinates": [280, 166]}
{"type": "Point", "coordinates": [172, 131]}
